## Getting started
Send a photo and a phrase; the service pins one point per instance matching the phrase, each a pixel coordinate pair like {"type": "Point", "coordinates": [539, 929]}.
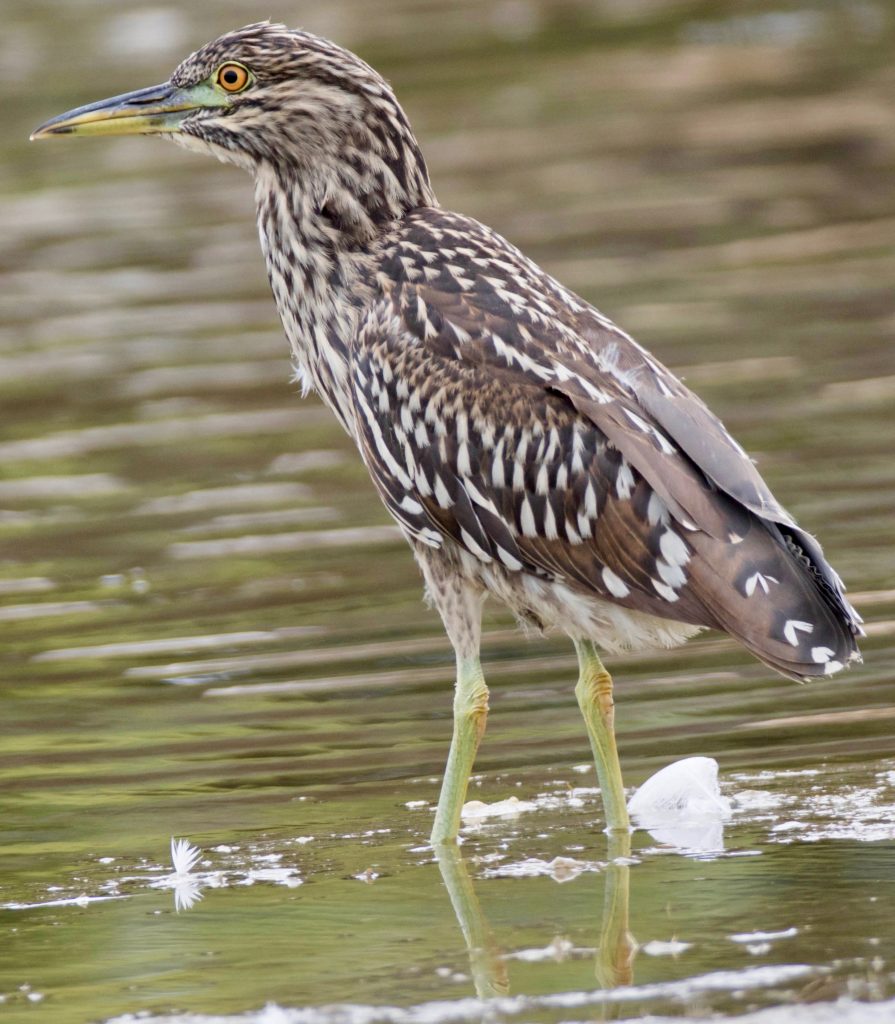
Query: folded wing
{"type": "Point", "coordinates": [499, 411]}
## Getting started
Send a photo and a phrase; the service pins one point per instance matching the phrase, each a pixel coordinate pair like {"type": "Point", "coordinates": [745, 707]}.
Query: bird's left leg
{"type": "Point", "coordinates": [460, 606]}
{"type": "Point", "coordinates": [594, 693]}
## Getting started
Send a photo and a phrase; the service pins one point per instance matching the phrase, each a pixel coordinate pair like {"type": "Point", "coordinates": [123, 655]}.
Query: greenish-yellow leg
{"type": "Point", "coordinates": [594, 693]}
{"type": "Point", "coordinates": [470, 714]}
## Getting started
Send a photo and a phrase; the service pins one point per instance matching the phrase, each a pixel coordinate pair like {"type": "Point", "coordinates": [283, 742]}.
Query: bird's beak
{"type": "Point", "coordinates": [158, 109]}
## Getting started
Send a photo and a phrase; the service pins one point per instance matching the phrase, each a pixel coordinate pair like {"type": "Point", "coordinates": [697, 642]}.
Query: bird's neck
{"type": "Point", "coordinates": [320, 229]}
{"type": "Point", "coordinates": [314, 266]}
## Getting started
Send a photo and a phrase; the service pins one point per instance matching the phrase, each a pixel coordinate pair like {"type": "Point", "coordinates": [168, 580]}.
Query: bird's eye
{"type": "Point", "coordinates": [233, 77]}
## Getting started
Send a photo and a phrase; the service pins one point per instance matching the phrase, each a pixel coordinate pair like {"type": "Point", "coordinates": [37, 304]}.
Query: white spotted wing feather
{"type": "Point", "coordinates": [501, 414]}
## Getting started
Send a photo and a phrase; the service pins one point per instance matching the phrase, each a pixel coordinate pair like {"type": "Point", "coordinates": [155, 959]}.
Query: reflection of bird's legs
{"type": "Point", "coordinates": [594, 693]}
{"type": "Point", "coordinates": [489, 972]}
{"type": "Point", "coordinates": [460, 606]}
{"type": "Point", "coordinates": [615, 954]}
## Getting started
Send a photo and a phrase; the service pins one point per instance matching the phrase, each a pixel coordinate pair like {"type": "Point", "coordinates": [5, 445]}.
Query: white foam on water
{"type": "Point", "coordinates": [185, 884]}
{"type": "Point", "coordinates": [458, 1011]}
{"type": "Point", "coordinates": [558, 950]}
{"type": "Point", "coordinates": [683, 806]}
{"type": "Point", "coordinates": [278, 876]}
{"type": "Point", "coordinates": [673, 947]}
{"type": "Point", "coordinates": [843, 1011]}
{"type": "Point", "coordinates": [825, 805]}
{"type": "Point", "coordinates": [74, 901]}
{"type": "Point", "coordinates": [560, 869]}
{"type": "Point", "coordinates": [477, 810]}
{"type": "Point", "coordinates": [744, 937]}
{"type": "Point", "coordinates": [565, 796]}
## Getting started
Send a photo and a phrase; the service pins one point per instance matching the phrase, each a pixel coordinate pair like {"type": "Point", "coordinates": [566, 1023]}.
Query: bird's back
{"type": "Point", "coordinates": [512, 428]}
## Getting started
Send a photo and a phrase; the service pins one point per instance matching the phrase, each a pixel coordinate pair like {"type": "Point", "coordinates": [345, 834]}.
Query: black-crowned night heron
{"type": "Point", "coordinates": [527, 447]}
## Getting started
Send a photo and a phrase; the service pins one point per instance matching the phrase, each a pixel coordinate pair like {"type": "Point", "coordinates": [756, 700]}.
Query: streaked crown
{"type": "Point", "coordinates": [303, 105]}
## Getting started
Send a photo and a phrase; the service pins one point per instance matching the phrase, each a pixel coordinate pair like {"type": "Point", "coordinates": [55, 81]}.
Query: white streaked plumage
{"type": "Point", "coordinates": [527, 446]}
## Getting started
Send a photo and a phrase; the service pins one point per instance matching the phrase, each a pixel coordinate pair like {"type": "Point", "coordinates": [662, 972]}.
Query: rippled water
{"type": "Point", "coordinates": [212, 631]}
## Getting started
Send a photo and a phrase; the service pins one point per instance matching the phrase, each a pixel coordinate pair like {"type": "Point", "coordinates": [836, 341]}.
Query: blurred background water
{"type": "Point", "coordinates": [211, 629]}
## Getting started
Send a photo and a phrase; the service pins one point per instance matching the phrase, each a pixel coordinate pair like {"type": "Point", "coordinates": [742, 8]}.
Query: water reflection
{"type": "Point", "coordinates": [615, 949]}
{"type": "Point", "coordinates": [486, 960]}
{"type": "Point", "coordinates": [614, 965]}
{"type": "Point", "coordinates": [187, 887]}
{"type": "Point", "coordinates": [728, 199]}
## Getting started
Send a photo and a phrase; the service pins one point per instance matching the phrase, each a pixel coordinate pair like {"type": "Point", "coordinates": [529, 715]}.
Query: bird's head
{"type": "Point", "coordinates": [266, 97]}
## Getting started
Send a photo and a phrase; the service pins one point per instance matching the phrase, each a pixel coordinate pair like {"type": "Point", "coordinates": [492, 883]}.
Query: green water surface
{"type": "Point", "coordinates": [211, 630]}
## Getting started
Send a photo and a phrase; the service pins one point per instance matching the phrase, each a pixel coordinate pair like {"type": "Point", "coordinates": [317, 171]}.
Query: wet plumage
{"type": "Point", "coordinates": [527, 447]}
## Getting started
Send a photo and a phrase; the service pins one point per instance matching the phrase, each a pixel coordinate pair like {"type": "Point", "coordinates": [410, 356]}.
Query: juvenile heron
{"type": "Point", "coordinates": [527, 447]}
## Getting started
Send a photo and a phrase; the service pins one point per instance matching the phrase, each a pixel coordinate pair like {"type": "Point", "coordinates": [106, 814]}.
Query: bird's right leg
{"type": "Point", "coordinates": [594, 693]}
{"type": "Point", "coordinates": [460, 606]}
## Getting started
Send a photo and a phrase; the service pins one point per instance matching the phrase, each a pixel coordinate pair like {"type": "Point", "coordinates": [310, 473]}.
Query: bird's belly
{"type": "Point", "coordinates": [549, 604]}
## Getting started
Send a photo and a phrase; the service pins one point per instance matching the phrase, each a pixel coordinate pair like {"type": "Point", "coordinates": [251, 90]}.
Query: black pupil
{"type": "Point", "coordinates": [231, 77]}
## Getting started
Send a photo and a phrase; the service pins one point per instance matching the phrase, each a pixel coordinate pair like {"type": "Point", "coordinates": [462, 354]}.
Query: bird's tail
{"type": "Point", "coordinates": [772, 589]}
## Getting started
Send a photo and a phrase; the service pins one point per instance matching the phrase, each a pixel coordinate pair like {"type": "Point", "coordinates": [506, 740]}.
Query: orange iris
{"type": "Point", "coordinates": [232, 77]}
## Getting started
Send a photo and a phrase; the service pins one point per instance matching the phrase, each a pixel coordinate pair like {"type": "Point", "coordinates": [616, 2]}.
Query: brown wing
{"type": "Point", "coordinates": [510, 472]}
{"type": "Point", "coordinates": [499, 410]}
